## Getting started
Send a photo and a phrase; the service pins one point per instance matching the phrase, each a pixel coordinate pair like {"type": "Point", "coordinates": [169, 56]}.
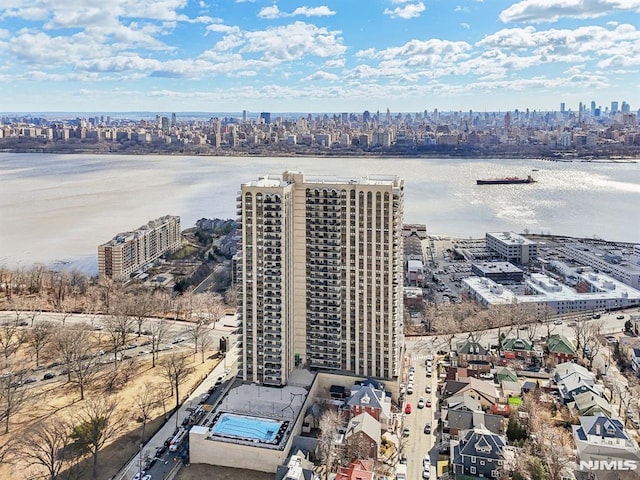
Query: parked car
{"type": "Point", "coordinates": [407, 408]}
{"type": "Point", "coordinates": [427, 429]}
{"type": "Point", "coordinates": [405, 432]}
{"type": "Point", "coordinates": [428, 404]}
{"type": "Point", "coordinates": [410, 388]}
{"type": "Point", "coordinates": [427, 389]}
{"type": "Point", "coordinates": [421, 402]}
{"type": "Point", "coordinates": [426, 473]}
{"type": "Point", "coordinates": [426, 461]}
{"type": "Point", "coordinates": [48, 376]}
{"type": "Point", "coordinates": [620, 317]}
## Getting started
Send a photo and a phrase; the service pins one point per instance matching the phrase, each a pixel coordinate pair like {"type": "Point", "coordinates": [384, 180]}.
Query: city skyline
{"type": "Point", "coordinates": [306, 56]}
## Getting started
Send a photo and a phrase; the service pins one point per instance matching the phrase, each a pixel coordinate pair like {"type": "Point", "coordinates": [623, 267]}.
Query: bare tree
{"type": "Point", "coordinates": [176, 370]}
{"type": "Point", "coordinates": [582, 332]}
{"type": "Point", "coordinates": [63, 343]}
{"type": "Point", "coordinates": [45, 445]}
{"type": "Point", "coordinates": [158, 332]}
{"type": "Point", "coordinates": [13, 396]}
{"type": "Point", "coordinates": [204, 342]}
{"type": "Point", "coordinates": [96, 422]}
{"type": "Point", "coordinates": [231, 296]}
{"type": "Point", "coordinates": [118, 327]}
{"type": "Point", "coordinates": [196, 331]}
{"type": "Point", "coordinates": [139, 305]}
{"type": "Point", "coordinates": [592, 343]}
{"type": "Point", "coordinates": [83, 365]}
{"type": "Point", "coordinates": [39, 337]}
{"type": "Point", "coordinates": [145, 400]}
{"type": "Point", "coordinates": [10, 340]}
{"type": "Point", "coordinates": [555, 446]}
{"type": "Point", "coordinates": [330, 421]}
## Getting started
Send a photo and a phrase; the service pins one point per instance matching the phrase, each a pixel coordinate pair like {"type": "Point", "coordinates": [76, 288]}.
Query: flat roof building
{"type": "Point", "coordinates": [500, 272]}
{"type": "Point", "coordinates": [511, 247]}
{"type": "Point", "coordinates": [322, 275]}
{"type": "Point", "coordinates": [599, 292]}
{"type": "Point", "coordinates": [128, 252]}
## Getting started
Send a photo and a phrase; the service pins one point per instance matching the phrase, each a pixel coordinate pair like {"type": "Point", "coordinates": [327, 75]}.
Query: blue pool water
{"type": "Point", "coordinates": [252, 428]}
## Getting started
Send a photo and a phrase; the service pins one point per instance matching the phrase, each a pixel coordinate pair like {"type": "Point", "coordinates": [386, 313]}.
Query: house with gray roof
{"type": "Point", "coordinates": [471, 355]}
{"type": "Point", "coordinates": [362, 436]}
{"type": "Point", "coordinates": [479, 454]}
{"type": "Point", "coordinates": [588, 404]}
{"type": "Point", "coordinates": [297, 468]}
{"type": "Point", "coordinates": [600, 438]}
{"type": "Point", "coordinates": [456, 423]}
{"type": "Point", "coordinates": [366, 398]}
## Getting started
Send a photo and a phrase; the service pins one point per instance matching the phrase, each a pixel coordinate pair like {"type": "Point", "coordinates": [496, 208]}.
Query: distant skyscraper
{"type": "Point", "coordinates": [593, 108]}
{"type": "Point", "coordinates": [625, 108]}
{"type": "Point", "coordinates": [173, 120]}
{"type": "Point", "coordinates": [266, 116]}
{"type": "Point", "coordinates": [366, 116]}
{"type": "Point", "coordinates": [322, 276]}
{"type": "Point", "coordinates": [614, 107]}
{"type": "Point", "coordinates": [562, 107]}
{"type": "Point", "coordinates": [507, 120]}
{"type": "Point", "coordinates": [244, 116]}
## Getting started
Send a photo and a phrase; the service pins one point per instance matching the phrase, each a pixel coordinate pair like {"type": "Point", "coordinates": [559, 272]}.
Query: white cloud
{"type": "Point", "coordinates": [465, 25]}
{"type": "Point", "coordinates": [321, 11]}
{"type": "Point", "coordinates": [294, 41]}
{"type": "Point", "coordinates": [269, 12]}
{"type": "Point", "coordinates": [539, 11]}
{"type": "Point", "coordinates": [320, 75]}
{"type": "Point", "coordinates": [412, 10]}
{"type": "Point", "coordinates": [273, 12]}
{"type": "Point", "coordinates": [217, 27]}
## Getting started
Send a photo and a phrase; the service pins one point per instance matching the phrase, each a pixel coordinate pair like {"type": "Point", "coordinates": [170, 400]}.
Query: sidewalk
{"type": "Point", "coordinates": [175, 420]}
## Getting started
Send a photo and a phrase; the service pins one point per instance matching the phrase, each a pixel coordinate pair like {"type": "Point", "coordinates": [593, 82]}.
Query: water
{"type": "Point", "coordinates": [59, 208]}
{"type": "Point", "coordinates": [247, 427]}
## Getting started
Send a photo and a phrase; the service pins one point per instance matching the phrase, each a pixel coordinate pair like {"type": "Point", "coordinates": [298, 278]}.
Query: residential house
{"type": "Point", "coordinates": [485, 392]}
{"type": "Point", "coordinates": [519, 349]}
{"type": "Point", "coordinates": [480, 454]}
{"type": "Point", "coordinates": [634, 353]}
{"type": "Point", "coordinates": [600, 438]}
{"type": "Point", "coordinates": [457, 422]}
{"type": "Point", "coordinates": [358, 469]}
{"type": "Point", "coordinates": [506, 373]}
{"type": "Point", "coordinates": [573, 379]}
{"type": "Point", "coordinates": [362, 436]}
{"type": "Point", "coordinates": [560, 348]}
{"type": "Point", "coordinates": [375, 402]}
{"type": "Point", "coordinates": [297, 468]}
{"type": "Point", "coordinates": [588, 404]}
{"type": "Point", "coordinates": [472, 355]}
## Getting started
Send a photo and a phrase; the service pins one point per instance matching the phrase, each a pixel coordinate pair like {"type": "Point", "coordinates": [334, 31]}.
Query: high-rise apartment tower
{"type": "Point", "coordinates": [321, 282]}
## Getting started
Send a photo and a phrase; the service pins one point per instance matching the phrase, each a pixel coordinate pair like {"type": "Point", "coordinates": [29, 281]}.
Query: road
{"type": "Point", "coordinates": [418, 444]}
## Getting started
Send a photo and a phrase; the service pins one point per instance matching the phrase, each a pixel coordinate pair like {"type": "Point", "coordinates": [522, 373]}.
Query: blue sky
{"type": "Point", "coordinates": [316, 56]}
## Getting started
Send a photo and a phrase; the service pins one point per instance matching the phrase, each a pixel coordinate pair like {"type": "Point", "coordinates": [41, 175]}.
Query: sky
{"type": "Point", "coordinates": [317, 56]}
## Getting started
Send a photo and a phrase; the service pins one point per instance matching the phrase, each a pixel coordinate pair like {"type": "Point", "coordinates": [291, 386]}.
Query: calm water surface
{"type": "Point", "coordinates": [61, 207]}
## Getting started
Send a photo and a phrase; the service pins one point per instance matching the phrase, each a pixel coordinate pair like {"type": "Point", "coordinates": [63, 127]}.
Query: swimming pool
{"type": "Point", "coordinates": [244, 427]}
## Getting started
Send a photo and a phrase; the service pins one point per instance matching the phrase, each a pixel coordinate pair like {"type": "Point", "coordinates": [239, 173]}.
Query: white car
{"type": "Point", "coordinates": [426, 473]}
{"type": "Point", "coordinates": [421, 402]}
{"type": "Point", "coordinates": [410, 388]}
{"type": "Point", "coordinates": [426, 462]}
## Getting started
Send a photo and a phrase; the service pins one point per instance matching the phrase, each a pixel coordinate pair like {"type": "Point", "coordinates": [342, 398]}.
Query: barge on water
{"type": "Point", "coordinates": [505, 181]}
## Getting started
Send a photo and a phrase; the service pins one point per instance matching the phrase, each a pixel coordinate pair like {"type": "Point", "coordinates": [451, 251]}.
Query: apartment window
{"type": "Point", "coordinates": [472, 470]}
{"type": "Point", "coordinates": [473, 459]}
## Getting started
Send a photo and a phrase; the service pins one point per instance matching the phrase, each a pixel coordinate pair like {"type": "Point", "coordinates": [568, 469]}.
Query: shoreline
{"type": "Point", "coordinates": [555, 156]}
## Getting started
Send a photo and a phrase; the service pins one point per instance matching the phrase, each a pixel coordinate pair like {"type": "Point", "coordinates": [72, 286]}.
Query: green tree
{"type": "Point", "coordinates": [97, 421]}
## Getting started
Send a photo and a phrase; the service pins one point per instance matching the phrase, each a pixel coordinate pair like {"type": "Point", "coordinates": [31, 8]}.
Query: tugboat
{"type": "Point", "coordinates": [505, 181]}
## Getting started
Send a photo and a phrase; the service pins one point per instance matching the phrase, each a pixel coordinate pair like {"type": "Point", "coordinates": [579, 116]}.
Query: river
{"type": "Point", "coordinates": [59, 208]}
